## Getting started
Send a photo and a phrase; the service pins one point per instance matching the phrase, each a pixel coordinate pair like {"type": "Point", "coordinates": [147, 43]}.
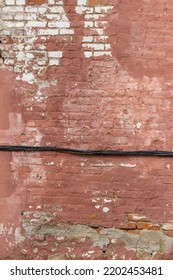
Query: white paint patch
{"type": "Point", "coordinates": [88, 254]}
{"type": "Point", "coordinates": [88, 54]}
{"type": "Point", "coordinates": [168, 166]}
{"type": "Point", "coordinates": [97, 45]}
{"type": "Point", "coordinates": [50, 163]}
{"type": "Point", "coordinates": [128, 165]}
{"type": "Point", "coordinates": [138, 125]}
{"type": "Point", "coordinates": [28, 77]}
{"type": "Point", "coordinates": [97, 206]}
{"type": "Point", "coordinates": [138, 218]}
{"type": "Point", "coordinates": [106, 209]}
{"type": "Point", "coordinates": [107, 200]}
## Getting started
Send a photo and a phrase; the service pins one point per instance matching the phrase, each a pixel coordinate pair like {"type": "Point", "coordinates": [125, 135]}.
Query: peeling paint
{"type": "Point", "coordinates": [106, 209]}
{"type": "Point", "coordinates": [128, 165]}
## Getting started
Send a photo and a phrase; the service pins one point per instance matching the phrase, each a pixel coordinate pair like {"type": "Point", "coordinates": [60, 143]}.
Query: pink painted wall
{"type": "Point", "coordinates": [86, 75]}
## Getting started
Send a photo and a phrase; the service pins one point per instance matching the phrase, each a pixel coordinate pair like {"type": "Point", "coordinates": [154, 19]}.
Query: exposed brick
{"type": "Point", "coordinates": [168, 233]}
{"type": "Point", "coordinates": [149, 226]}
{"type": "Point", "coordinates": [31, 2]}
{"type": "Point", "coordinates": [137, 218]}
{"type": "Point", "coordinates": [99, 2]}
{"type": "Point", "coordinates": [35, 2]}
{"type": "Point", "coordinates": [40, 2]}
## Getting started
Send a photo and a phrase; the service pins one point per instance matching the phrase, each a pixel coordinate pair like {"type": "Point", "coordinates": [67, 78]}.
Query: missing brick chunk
{"type": "Point", "coordinates": [1, 56]}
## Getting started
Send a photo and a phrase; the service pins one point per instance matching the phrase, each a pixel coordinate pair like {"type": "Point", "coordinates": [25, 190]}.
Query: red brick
{"type": "Point", "coordinates": [99, 2]}
{"type": "Point", "coordinates": [35, 2]}
{"type": "Point", "coordinates": [40, 2]}
{"type": "Point", "coordinates": [168, 233]}
{"type": "Point", "coordinates": [31, 2]}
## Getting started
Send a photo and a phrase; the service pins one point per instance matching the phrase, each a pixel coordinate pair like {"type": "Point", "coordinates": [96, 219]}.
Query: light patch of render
{"type": "Point", "coordinates": [18, 237]}
{"type": "Point", "coordinates": [16, 128]}
{"type": "Point", "coordinates": [37, 172]}
{"type": "Point", "coordinates": [94, 20]}
{"type": "Point", "coordinates": [148, 241]}
{"type": "Point", "coordinates": [147, 84]}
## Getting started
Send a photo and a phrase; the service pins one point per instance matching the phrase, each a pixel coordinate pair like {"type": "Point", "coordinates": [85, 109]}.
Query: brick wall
{"type": "Point", "coordinates": [86, 75]}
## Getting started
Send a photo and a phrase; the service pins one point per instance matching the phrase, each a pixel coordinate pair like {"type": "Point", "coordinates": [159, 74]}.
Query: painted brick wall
{"type": "Point", "coordinates": [86, 74]}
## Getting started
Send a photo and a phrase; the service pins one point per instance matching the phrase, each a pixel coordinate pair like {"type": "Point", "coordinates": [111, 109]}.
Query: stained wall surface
{"type": "Point", "coordinates": [86, 74]}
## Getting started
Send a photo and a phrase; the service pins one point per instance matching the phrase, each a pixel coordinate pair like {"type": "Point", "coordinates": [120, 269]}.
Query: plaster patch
{"type": "Point", "coordinates": [18, 237]}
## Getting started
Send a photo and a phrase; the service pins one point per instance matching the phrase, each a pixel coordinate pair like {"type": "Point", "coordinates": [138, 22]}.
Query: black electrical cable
{"type": "Point", "coordinates": [19, 148]}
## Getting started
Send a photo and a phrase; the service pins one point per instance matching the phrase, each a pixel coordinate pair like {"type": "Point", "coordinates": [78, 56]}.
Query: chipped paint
{"type": "Point", "coordinates": [128, 165]}
{"type": "Point", "coordinates": [106, 209]}
{"type": "Point", "coordinates": [94, 20]}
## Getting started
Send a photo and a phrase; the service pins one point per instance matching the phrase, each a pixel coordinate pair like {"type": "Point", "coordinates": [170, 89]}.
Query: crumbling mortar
{"type": "Point", "coordinates": [101, 237]}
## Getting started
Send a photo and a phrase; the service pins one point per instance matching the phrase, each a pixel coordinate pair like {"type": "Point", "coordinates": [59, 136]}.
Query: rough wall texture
{"type": "Point", "coordinates": [86, 74]}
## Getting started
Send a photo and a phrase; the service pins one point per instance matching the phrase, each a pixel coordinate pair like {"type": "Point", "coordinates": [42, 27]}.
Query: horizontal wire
{"type": "Point", "coordinates": [18, 148]}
